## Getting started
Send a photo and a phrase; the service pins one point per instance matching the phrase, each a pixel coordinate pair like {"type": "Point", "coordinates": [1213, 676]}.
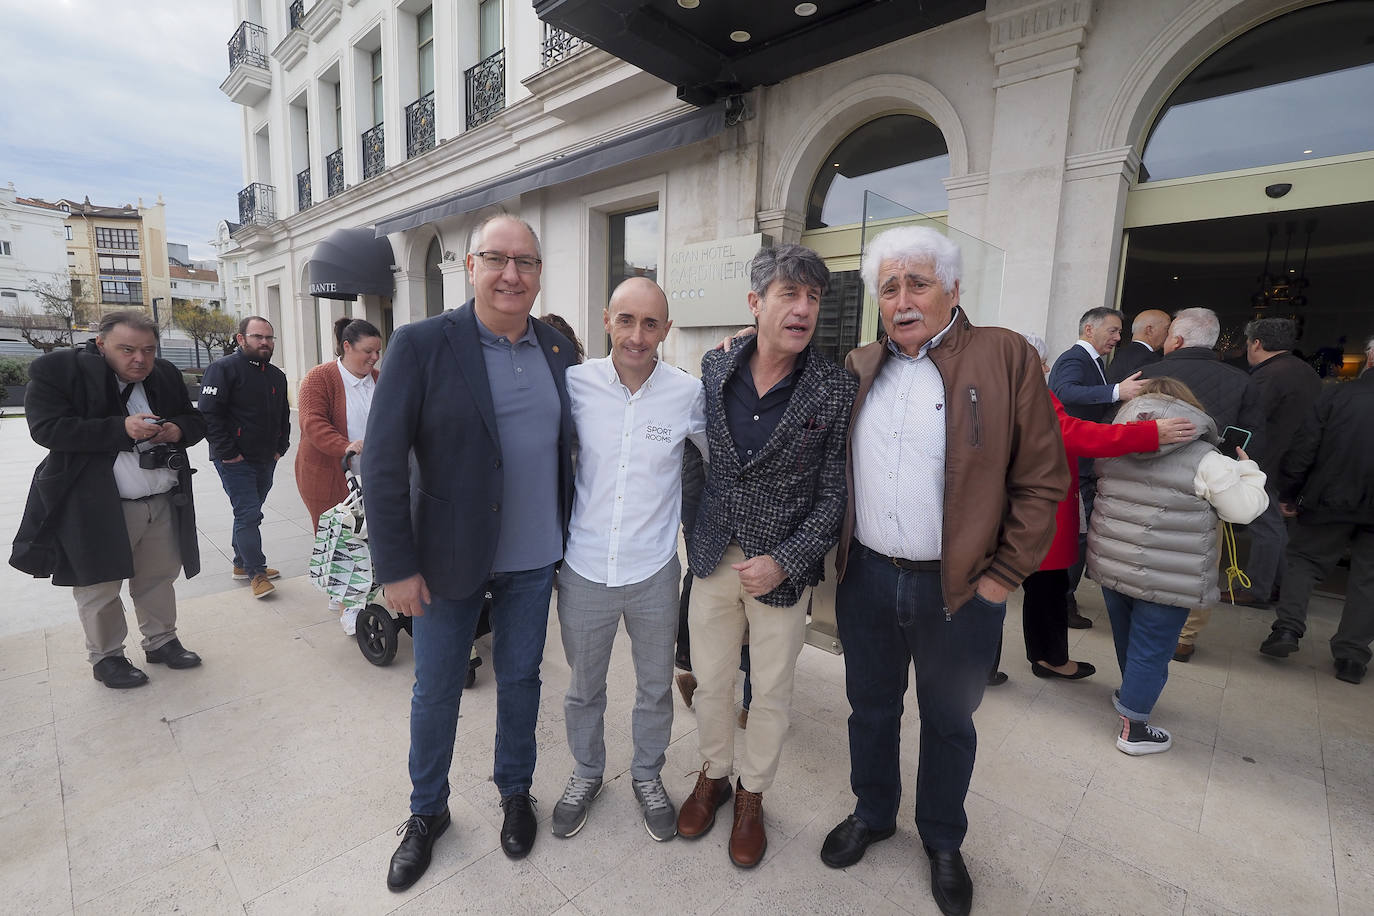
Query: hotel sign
{"type": "Point", "coordinates": [708, 283]}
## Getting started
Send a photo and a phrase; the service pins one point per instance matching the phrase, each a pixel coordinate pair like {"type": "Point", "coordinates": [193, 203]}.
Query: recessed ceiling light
{"type": "Point", "coordinates": [1307, 152]}
{"type": "Point", "coordinates": [804, 9]}
{"type": "Point", "coordinates": [689, 4]}
{"type": "Point", "coordinates": [837, 165]}
{"type": "Point", "coordinates": [740, 36]}
{"type": "Point", "coordinates": [1175, 278]}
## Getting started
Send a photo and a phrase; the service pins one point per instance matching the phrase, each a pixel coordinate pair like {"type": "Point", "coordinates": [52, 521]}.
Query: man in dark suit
{"type": "Point", "coordinates": [777, 413]}
{"type": "Point", "coordinates": [1148, 331]}
{"type": "Point", "coordinates": [477, 395]}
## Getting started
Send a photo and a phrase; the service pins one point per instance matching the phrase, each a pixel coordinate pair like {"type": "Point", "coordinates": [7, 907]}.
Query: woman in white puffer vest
{"type": "Point", "coordinates": [1152, 546]}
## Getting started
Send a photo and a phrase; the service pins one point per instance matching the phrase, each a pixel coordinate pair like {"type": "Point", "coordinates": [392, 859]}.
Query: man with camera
{"type": "Point", "coordinates": [112, 501]}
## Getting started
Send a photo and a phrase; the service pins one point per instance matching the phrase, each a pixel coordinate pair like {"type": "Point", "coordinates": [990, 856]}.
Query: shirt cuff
{"type": "Point", "coordinates": [1116, 393]}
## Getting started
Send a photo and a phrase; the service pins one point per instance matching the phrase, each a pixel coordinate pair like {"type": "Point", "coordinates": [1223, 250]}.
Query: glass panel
{"type": "Point", "coordinates": [633, 246]}
{"type": "Point", "coordinates": [489, 41]}
{"type": "Point", "coordinates": [1296, 88]}
{"type": "Point", "coordinates": [895, 151]}
{"type": "Point", "coordinates": [434, 280]}
{"type": "Point", "coordinates": [838, 327]}
{"type": "Point", "coordinates": [980, 291]}
{"type": "Point", "coordinates": [377, 87]}
{"type": "Point", "coordinates": [425, 25]}
{"type": "Point", "coordinates": [338, 115]}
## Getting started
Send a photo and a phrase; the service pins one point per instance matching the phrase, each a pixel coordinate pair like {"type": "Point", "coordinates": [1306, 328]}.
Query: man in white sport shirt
{"type": "Point", "coordinates": [632, 413]}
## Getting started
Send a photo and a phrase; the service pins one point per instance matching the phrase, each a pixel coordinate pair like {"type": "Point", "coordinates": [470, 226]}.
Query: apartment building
{"type": "Point", "coordinates": [119, 254]}
{"type": "Point", "coordinates": [33, 251]}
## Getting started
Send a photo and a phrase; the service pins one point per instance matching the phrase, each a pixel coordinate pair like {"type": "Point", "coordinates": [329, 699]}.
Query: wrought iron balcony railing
{"type": "Point", "coordinates": [486, 89]}
{"type": "Point", "coordinates": [559, 45]}
{"type": "Point", "coordinates": [420, 125]}
{"type": "Point", "coordinates": [248, 46]}
{"type": "Point", "coordinates": [295, 12]}
{"type": "Point", "coordinates": [333, 172]}
{"type": "Point", "coordinates": [374, 152]}
{"type": "Point", "coordinates": [257, 205]}
{"type": "Point", "coordinates": [304, 193]}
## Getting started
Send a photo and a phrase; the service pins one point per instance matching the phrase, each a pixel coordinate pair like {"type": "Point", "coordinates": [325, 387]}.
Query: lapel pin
{"type": "Point", "coordinates": [555, 348]}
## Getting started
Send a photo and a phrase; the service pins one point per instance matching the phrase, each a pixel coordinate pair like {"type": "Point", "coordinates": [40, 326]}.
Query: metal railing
{"type": "Point", "coordinates": [333, 172]}
{"type": "Point", "coordinates": [248, 46]}
{"type": "Point", "coordinates": [559, 45]}
{"type": "Point", "coordinates": [257, 206]}
{"type": "Point", "coordinates": [420, 125]}
{"type": "Point", "coordinates": [304, 194]}
{"type": "Point", "coordinates": [486, 89]}
{"type": "Point", "coordinates": [295, 12]}
{"type": "Point", "coordinates": [374, 152]}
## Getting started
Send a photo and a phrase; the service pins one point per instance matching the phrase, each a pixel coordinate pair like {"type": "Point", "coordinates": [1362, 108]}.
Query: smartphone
{"type": "Point", "coordinates": [156, 421]}
{"type": "Point", "coordinates": [1232, 438]}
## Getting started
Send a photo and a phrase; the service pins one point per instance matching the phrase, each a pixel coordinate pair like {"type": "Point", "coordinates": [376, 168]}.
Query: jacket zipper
{"type": "Point", "coordinates": [976, 434]}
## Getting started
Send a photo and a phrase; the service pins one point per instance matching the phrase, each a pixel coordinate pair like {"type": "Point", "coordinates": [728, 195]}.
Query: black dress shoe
{"type": "Point", "coordinates": [1085, 669]}
{"type": "Point", "coordinates": [997, 678]}
{"type": "Point", "coordinates": [411, 858]}
{"type": "Point", "coordinates": [950, 884]}
{"type": "Point", "coordinates": [517, 830]}
{"type": "Point", "coordinates": [846, 844]}
{"type": "Point", "coordinates": [1280, 643]}
{"type": "Point", "coordinates": [1349, 670]}
{"type": "Point", "coordinates": [118, 672]}
{"type": "Point", "coordinates": [173, 654]}
{"type": "Point", "coordinates": [1078, 622]}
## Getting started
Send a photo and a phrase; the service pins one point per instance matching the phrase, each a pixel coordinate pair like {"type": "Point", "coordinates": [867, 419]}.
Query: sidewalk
{"type": "Point", "coordinates": [272, 778]}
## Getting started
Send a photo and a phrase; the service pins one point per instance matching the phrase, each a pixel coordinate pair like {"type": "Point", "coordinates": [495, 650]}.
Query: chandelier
{"type": "Point", "coordinates": [1281, 294]}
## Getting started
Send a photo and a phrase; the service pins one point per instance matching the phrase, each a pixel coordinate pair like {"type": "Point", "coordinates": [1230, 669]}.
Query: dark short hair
{"type": "Point", "coordinates": [352, 330]}
{"type": "Point", "coordinates": [243, 325]}
{"type": "Point", "coordinates": [1273, 334]}
{"type": "Point", "coordinates": [793, 263]}
{"type": "Point", "coordinates": [131, 318]}
{"type": "Point", "coordinates": [1093, 316]}
{"type": "Point", "coordinates": [559, 324]}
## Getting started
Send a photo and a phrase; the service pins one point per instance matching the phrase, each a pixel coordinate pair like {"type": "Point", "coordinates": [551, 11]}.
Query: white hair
{"type": "Point", "coordinates": [913, 243]}
{"type": "Point", "coordinates": [1038, 342]}
{"type": "Point", "coordinates": [1198, 327]}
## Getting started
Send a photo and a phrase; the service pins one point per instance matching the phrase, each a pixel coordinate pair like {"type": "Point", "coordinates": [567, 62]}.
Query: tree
{"type": "Point", "coordinates": [206, 327]}
{"type": "Point", "coordinates": [65, 305]}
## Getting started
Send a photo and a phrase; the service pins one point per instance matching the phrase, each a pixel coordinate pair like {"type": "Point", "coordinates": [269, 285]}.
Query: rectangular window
{"type": "Point", "coordinates": [121, 292]}
{"type": "Point", "coordinates": [116, 264]}
{"type": "Point", "coordinates": [4, 248]}
{"type": "Point", "coordinates": [338, 115]}
{"type": "Point", "coordinates": [116, 239]}
{"type": "Point", "coordinates": [69, 232]}
{"type": "Point", "coordinates": [425, 47]}
{"type": "Point", "coordinates": [633, 246]}
{"type": "Point", "coordinates": [489, 28]}
{"type": "Point", "coordinates": [377, 86]}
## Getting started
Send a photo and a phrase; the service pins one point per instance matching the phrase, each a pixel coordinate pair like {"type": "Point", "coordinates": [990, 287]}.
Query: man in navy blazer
{"type": "Point", "coordinates": [476, 396]}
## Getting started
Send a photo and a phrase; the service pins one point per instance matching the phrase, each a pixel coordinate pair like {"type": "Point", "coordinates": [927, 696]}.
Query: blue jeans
{"type": "Point", "coordinates": [247, 484]}
{"type": "Point", "coordinates": [1145, 634]}
{"type": "Point", "coordinates": [443, 642]}
{"type": "Point", "coordinates": [889, 618]}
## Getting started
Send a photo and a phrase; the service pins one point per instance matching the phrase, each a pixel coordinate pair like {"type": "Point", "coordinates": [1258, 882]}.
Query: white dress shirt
{"type": "Point", "coordinates": [899, 457]}
{"type": "Point", "coordinates": [133, 481]}
{"type": "Point", "coordinates": [1102, 373]}
{"type": "Point", "coordinates": [628, 502]}
{"type": "Point", "coordinates": [358, 392]}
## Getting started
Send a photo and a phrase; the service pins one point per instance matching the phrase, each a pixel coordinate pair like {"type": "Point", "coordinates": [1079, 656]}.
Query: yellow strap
{"type": "Point", "coordinates": [1234, 573]}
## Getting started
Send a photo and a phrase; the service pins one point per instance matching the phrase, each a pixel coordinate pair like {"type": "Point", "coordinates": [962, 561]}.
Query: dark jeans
{"type": "Point", "coordinates": [889, 618]}
{"type": "Point", "coordinates": [1045, 616]}
{"type": "Point", "coordinates": [443, 642]}
{"type": "Point", "coordinates": [1312, 553]}
{"type": "Point", "coordinates": [247, 484]}
{"type": "Point", "coordinates": [1145, 634]}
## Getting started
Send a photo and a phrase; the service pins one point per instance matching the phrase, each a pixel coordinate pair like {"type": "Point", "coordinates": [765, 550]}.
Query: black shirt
{"type": "Point", "coordinates": [751, 418]}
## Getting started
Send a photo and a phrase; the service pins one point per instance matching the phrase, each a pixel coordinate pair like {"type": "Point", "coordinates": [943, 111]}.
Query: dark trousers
{"type": "Point", "coordinates": [888, 619]}
{"type": "Point", "coordinates": [1087, 495]}
{"type": "Point", "coordinates": [1045, 616]}
{"type": "Point", "coordinates": [1313, 552]}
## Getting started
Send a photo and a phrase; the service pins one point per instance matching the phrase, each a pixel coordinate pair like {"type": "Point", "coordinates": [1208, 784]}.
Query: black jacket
{"type": "Point", "coordinates": [73, 409]}
{"type": "Point", "coordinates": [245, 408]}
{"type": "Point", "coordinates": [1227, 393]}
{"type": "Point", "coordinates": [1288, 388]}
{"type": "Point", "coordinates": [1330, 466]}
{"type": "Point", "coordinates": [1130, 357]}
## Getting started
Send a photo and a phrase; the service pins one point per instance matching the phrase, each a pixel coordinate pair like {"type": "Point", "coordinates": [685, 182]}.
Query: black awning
{"type": "Point", "coordinates": [352, 263]}
{"type": "Point", "coordinates": [679, 131]}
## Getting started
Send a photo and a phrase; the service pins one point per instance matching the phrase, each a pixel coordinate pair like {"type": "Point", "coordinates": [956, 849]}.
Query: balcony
{"type": "Point", "coordinates": [420, 125]}
{"type": "Point", "coordinates": [304, 195]}
{"type": "Point", "coordinates": [559, 46]}
{"type": "Point", "coordinates": [374, 152]}
{"type": "Point", "coordinates": [486, 89]}
{"type": "Point", "coordinates": [249, 80]}
{"type": "Point", "coordinates": [292, 49]}
{"type": "Point", "coordinates": [257, 205]}
{"type": "Point", "coordinates": [333, 173]}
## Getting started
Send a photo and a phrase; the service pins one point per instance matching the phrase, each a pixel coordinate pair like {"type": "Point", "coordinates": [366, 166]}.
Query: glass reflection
{"type": "Point", "coordinates": [900, 155]}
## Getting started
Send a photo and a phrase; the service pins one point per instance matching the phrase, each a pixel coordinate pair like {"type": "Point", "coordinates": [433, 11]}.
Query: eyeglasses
{"type": "Point", "coordinates": [260, 337]}
{"type": "Point", "coordinates": [495, 260]}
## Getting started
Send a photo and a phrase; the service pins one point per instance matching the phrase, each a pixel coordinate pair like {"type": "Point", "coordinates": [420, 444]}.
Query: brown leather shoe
{"type": "Point", "coordinates": [748, 842]}
{"type": "Point", "coordinates": [1183, 652]}
{"type": "Point", "coordinates": [698, 813]}
{"type": "Point", "coordinates": [1243, 596]}
{"type": "Point", "coordinates": [687, 686]}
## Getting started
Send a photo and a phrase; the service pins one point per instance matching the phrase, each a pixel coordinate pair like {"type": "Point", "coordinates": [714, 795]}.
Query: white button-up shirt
{"type": "Point", "coordinates": [899, 457]}
{"type": "Point", "coordinates": [358, 395]}
{"type": "Point", "coordinates": [133, 481]}
{"type": "Point", "coordinates": [628, 502]}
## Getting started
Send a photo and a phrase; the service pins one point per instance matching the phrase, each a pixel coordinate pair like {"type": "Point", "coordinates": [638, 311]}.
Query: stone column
{"type": "Point", "coordinates": [409, 302]}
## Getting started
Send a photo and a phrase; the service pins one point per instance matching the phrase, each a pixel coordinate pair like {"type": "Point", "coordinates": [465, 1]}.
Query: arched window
{"type": "Point", "coordinates": [434, 280]}
{"type": "Point", "coordinates": [1298, 87]}
{"type": "Point", "coordinates": [901, 157]}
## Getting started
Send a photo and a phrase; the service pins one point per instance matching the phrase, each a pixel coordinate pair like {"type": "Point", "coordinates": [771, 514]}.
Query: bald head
{"type": "Point", "coordinates": [637, 321]}
{"type": "Point", "coordinates": [645, 294]}
{"type": "Point", "coordinates": [1152, 327]}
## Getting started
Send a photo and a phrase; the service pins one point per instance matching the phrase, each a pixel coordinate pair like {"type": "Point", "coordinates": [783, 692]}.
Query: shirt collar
{"type": "Point", "coordinates": [490, 337]}
{"type": "Point", "coordinates": [613, 377]}
{"type": "Point", "coordinates": [1145, 345]}
{"type": "Point", "coordinates": [1091, 350]}
{"type": "Point", "coordinates": [933, 342]}
{"type": "Point", "coordinates": [349, 378]}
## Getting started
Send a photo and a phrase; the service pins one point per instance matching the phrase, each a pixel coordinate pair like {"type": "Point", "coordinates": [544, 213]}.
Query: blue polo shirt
{"type": "Point", "coordinates": [527, 420]}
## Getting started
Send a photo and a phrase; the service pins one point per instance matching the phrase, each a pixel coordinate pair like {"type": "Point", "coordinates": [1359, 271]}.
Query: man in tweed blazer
{"type": "Point", "coordinates": [777, 415]}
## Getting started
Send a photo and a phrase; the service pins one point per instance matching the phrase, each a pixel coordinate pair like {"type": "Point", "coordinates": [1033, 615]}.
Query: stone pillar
{"type": "Point", "coordinates": [409, 302]}
{"type": "Point", "coordinates": [455, 280]}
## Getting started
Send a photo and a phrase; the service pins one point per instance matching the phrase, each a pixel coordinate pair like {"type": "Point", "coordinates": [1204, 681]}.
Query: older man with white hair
{"type": "Point", "coordinates": [956, 466]}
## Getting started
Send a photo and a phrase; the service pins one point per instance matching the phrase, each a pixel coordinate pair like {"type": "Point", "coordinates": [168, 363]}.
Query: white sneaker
{"type": "Point", "coordinates": [349, 621]}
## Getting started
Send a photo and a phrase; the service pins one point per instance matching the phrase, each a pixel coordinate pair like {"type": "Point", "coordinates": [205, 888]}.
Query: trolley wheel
{"type": "Point", "coordinates": [377, 635]}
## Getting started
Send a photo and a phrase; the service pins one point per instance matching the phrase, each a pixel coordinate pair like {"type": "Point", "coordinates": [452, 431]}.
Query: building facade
{"type": "Point", "coordinates": [200, 286]}
{"type": "Point", "coordinates": [33, 251]}
{"type": "Point", "coordinates": [1084, 153]}
{"type": "Point", "coordinates": [231, 265]}
{"type": "Point", "coordinates": [119, 255]}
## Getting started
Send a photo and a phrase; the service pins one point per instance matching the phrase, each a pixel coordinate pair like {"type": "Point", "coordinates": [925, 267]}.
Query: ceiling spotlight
{"type": "Point", "coordinates": [805, 9]}
{"type": "Point", "coordinates": [1175, 278]}
{"type": "Point", "coordinates": [837, 165]}
{"type": "Point", "coordinates": [689, 4]}
{"type": "Point", "coordinates": [740, 36]}
{"type": "Point", "coordinates": [1307, 152]}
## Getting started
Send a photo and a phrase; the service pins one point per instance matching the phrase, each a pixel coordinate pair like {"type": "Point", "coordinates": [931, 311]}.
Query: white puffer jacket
{"type": "Point", "coordinates": [1153, 533]}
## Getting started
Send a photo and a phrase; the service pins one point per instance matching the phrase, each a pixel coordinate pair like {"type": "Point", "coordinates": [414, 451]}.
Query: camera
{"type": "Point", "coordinates": [163, 456]}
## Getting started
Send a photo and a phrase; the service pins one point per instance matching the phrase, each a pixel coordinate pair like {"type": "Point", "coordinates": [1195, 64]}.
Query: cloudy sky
{"type": "Point", "coordinates": [119, 99]}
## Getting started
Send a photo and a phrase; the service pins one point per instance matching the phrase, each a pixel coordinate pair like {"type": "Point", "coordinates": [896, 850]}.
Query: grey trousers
{"type": "Point", "coordinates": [157, 563]}
{"type": "Point", "coordinates": [589, 615]}
{"type": "Point", "coordinates": [1268, 541]}
{"type": "Point", "coordinates": [1312, 554]}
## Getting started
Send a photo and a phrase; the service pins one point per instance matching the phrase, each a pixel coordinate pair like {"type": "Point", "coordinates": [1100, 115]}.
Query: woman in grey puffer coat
{"type": "Point", "coordinates": [1152, 546]}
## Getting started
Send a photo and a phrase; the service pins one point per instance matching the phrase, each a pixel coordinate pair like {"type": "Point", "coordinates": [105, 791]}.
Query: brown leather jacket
{"type": "Point", "coordinates": [1004, 457]}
